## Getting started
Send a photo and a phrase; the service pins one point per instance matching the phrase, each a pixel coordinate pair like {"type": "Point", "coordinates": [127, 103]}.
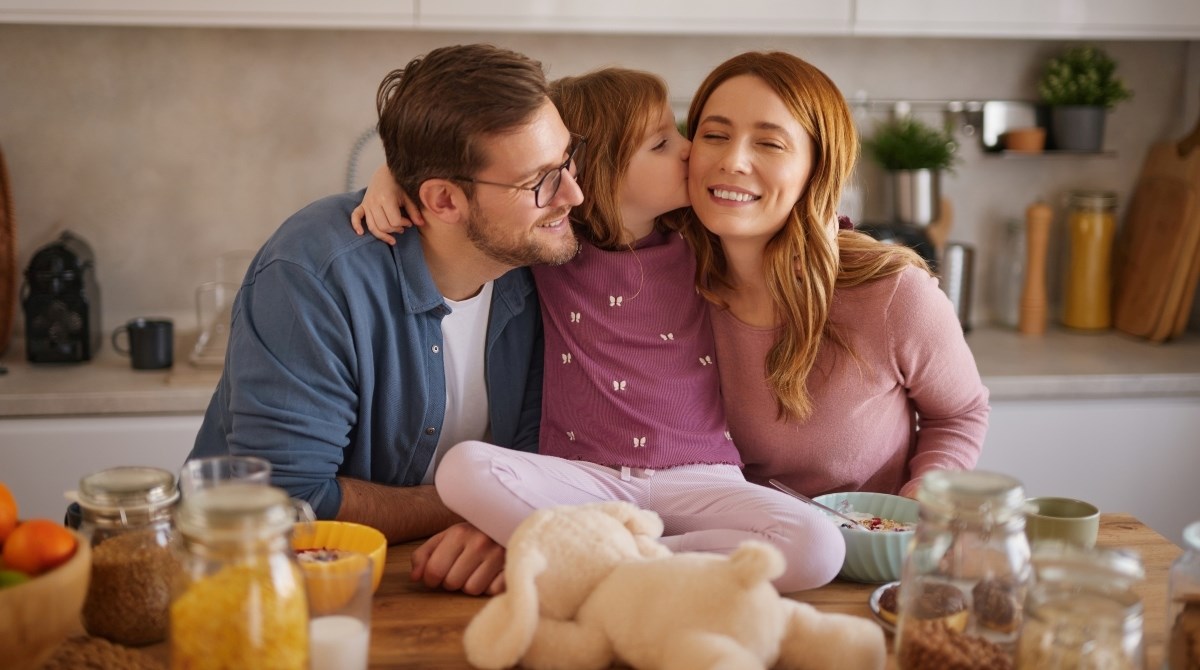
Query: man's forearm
{"type": "Point", "coordinates": [402, 513]}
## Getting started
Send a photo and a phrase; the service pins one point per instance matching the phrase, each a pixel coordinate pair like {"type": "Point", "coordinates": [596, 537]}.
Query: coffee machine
{"type": "Point", "coordinates": [62, 303]}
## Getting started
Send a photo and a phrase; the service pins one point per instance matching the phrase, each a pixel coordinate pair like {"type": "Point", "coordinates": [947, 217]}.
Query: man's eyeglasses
{"type": "Point", "coordinates": [547, 187]}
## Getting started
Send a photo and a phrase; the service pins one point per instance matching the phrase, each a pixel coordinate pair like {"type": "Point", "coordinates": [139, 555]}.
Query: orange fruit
{"type": "Point", "coordinates": [38, 545]}
{"type": "Point", "coordinates": [8, 512]}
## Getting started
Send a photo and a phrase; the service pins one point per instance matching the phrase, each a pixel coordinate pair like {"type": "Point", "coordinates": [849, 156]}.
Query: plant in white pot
{"type": "Point", "coordinates": [915, 154]}
{"type": "Point", "coordinates": [1080, 86]}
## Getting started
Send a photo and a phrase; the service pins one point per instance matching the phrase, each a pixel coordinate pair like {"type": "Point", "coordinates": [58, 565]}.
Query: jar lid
{"type": "Point", "coordinates": [235, 512]}
{"type": "Point", "coordinates": [1055, 559]}
{"type": "Point", "coordinates": [1191, 535]}
{"type": "Point", "coordinates": [1093, 199]}
{"type": "Point", "coordinates": [987, 497]}
{"type": "Point", "coordinates": [1078, 571]}
{"type": "Point", "coordinates": [127, 489]}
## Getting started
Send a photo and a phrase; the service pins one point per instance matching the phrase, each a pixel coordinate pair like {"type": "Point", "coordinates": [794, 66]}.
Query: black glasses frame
{"type": "Point", "coordinates": [554, 175]}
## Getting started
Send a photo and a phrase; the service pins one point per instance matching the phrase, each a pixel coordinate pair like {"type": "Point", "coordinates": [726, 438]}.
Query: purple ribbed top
{"type": "Point", "coordinates": [631, 376]}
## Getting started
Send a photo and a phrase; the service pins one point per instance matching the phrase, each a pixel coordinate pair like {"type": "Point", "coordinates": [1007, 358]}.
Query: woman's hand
{"type": "Point", "coordinates": [386, 208]}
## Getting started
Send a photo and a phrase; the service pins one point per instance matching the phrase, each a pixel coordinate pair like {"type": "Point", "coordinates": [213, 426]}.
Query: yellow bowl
{"type": "Point", "coordinates": [346, 537]}
{"type": "Point", "coordinates": [37, 615]}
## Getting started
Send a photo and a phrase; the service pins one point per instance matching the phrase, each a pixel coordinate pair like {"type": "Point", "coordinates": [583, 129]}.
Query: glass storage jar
{"type": "Point", "coordinates": [1082, 612]}
{"type": "Point", "coordinates": [1183, 604]}
{"type": "Point", "coordinates": [1087, 296]}
{"type": "Point", "coordinates": [1008, 274]}
{"type": "Point", "coordinates": [963, 584]}
{"type": "Point", "coordinates": [241, 602]}
{"type": "Point", "coordinates": [126, 514]}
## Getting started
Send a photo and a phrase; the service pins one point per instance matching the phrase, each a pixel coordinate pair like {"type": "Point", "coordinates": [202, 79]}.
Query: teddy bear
{"type": "Point", "coordinates": [590, 585]}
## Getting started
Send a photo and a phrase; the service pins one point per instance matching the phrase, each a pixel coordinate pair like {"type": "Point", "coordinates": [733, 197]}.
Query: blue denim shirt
{"type": "Point", "coordinates": [334, 365]}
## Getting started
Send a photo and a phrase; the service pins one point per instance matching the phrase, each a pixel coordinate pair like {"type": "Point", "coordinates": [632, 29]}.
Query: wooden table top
{"type": "Point", "coordinates": [413, 627]}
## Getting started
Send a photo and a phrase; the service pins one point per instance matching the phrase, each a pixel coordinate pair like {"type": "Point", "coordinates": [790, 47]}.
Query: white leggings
{"type": "Point", "coordinates": [703, 507]}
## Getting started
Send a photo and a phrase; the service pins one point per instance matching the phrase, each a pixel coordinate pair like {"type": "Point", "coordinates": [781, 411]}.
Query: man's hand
{"type": "Point", "coordinates": [460, 558]}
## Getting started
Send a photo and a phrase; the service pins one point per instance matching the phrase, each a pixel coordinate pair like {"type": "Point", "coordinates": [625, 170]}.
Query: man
{"type": "Point", "coordinates": [353, 365]}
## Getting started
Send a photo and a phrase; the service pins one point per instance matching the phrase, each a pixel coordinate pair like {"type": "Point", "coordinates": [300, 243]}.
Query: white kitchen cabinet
{"type": "Point", "coordinates": [1135, 455]}
{"type": "Point", "coordinates": [1045, 19]}
{"type": "Point", "coordinates": [1067, 19]}
{"type": "Point", "coordinates": [640, 16]}
{"type": "Point", "coordinates": [241, 13]}
{"type": "Point", "coordinates": [40, 458]}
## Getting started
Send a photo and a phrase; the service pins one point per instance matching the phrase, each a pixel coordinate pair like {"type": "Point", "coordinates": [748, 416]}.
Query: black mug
{"type": "Point", "coordinates": [151, 343]}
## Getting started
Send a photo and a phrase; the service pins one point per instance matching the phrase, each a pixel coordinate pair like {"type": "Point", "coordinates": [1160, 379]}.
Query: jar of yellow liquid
{"type": "Point", "coordinates": [1087, 295]}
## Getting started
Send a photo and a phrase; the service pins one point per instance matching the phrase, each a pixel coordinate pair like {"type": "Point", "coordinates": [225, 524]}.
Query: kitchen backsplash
{"type": "Point", "coordinates": [166, 147]}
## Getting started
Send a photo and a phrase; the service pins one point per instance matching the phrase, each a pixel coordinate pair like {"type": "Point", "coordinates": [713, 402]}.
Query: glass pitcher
{"type": "Point", "coordinates": [241, 601]}
{"type": "Point", "coordinates": [964, 581]}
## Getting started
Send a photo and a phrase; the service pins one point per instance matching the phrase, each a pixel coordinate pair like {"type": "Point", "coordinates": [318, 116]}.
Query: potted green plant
{"type": "Point", "coordinates": [1080, 85]}
{"type": "Point", "coordinates": [915, 154]}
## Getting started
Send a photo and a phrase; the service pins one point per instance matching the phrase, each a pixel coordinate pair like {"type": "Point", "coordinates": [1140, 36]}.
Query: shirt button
{"type": "Point", "coordinates": [436, 348]}
{"type": "Point", "coordinates": [430, 430]}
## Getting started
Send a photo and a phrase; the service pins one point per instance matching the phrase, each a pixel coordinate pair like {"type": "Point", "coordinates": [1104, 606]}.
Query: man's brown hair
{"type": "Point", "coordinates": [434, 112]}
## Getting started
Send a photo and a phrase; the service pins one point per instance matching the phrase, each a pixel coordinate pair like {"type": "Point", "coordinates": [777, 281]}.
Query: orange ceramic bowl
{"type": "Point", "coordinates": [37, 615]}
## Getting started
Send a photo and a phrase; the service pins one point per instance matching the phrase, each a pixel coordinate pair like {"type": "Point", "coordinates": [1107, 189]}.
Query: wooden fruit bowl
{"type": "Point", "coordinates": [35, 617]}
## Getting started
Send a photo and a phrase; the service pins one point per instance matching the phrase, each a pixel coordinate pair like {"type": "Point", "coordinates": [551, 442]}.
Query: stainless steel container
{"type": "Point", "coordinates": [917, 195]}
{"type": "Point", "coordinates": [957, 279]}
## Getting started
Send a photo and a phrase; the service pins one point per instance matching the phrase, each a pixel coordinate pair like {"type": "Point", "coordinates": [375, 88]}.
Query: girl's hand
{"type": "Point", "coordinates": [386, 208]}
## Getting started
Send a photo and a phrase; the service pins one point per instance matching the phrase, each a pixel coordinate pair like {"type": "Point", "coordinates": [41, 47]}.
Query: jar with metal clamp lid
{"type": "Point", "coordinates": [1183, 614]}
{"type": "Point", "coordinates": [1082, 612]}
{"type": "Point", "coordinates": [241, 602]}
{"type": "Point", "coordinates": [963, 584]}
{"type": "Point", "coordinates": [126, 514]}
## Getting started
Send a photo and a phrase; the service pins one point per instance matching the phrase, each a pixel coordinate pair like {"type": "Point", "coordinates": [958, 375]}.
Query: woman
{"type": "Point", "coordinates": [842, 364]}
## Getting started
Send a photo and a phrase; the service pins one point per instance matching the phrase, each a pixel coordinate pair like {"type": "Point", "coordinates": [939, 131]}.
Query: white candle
{"type": "Point", "coordinates": [338, 643]}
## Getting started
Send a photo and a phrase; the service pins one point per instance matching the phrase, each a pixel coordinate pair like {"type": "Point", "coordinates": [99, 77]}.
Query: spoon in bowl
{"type": "Point", "coordinates": [801, 496]}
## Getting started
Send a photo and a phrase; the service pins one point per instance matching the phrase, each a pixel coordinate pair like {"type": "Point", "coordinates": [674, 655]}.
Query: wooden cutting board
{"type": "Point", "coordinates": [1160, 244]}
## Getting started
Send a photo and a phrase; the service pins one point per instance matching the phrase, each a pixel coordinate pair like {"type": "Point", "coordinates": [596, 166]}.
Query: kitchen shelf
{"type": "Point", "coordinates": [1050, 153]}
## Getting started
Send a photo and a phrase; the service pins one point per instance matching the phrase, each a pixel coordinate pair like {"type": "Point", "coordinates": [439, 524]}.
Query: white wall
{"type": "Point", "coordinates": [165, 147]}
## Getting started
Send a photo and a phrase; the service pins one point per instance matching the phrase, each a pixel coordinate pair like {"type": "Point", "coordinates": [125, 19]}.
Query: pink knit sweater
{"type": "Point", "coordinates": [912, 402]}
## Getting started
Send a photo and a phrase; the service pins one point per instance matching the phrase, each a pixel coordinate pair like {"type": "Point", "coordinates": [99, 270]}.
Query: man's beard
{"type": "Point", "coordinates": [519, 250]}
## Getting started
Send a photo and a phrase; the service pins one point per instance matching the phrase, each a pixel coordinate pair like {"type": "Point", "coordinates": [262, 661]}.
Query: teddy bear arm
{"type": "Point", "coordinates": [649, 547]}
{"type": "Point", "coordinates": [816, 641]}
{"type": "Point", "coordinates": [568, 645]}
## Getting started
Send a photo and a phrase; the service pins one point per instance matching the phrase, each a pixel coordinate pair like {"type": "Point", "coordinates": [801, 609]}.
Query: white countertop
{"type": "Point", "coordinates": [105, 385]}
{"type": "Point", "coordinates": [1069, 364]}
{"type": "Point", "coordinates": [1058, 365]}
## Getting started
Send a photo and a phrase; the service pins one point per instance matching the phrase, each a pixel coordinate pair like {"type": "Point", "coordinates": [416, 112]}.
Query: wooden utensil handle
{"type": "Point", "coordinates": [1032, 320]}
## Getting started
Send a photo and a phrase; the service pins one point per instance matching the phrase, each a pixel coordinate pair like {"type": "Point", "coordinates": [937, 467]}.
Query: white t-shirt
{"type": "Point", "coordinates": [464, 341]}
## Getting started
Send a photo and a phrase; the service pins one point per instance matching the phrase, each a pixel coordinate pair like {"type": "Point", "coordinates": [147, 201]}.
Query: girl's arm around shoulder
{"type": "Point", "coordinates": [940, 376]}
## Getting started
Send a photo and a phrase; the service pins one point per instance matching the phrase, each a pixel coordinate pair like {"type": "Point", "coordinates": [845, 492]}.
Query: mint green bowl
{"type": "Point", "coordinates": [873, 557]}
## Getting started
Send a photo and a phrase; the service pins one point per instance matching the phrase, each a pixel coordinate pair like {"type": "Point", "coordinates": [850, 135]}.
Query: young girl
{"type": "Point", "coordinates": [631, 404]}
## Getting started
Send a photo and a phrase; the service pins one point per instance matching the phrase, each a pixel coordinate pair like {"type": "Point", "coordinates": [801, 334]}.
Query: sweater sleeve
{"type": "Point", "coordinates": [293, 393]}
{"type": "Point", "coordinates": [939, 374]}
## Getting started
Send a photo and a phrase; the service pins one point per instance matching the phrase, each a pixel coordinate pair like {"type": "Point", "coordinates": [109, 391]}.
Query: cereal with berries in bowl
{"type": "Point", "coordinates": [877, 524]}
